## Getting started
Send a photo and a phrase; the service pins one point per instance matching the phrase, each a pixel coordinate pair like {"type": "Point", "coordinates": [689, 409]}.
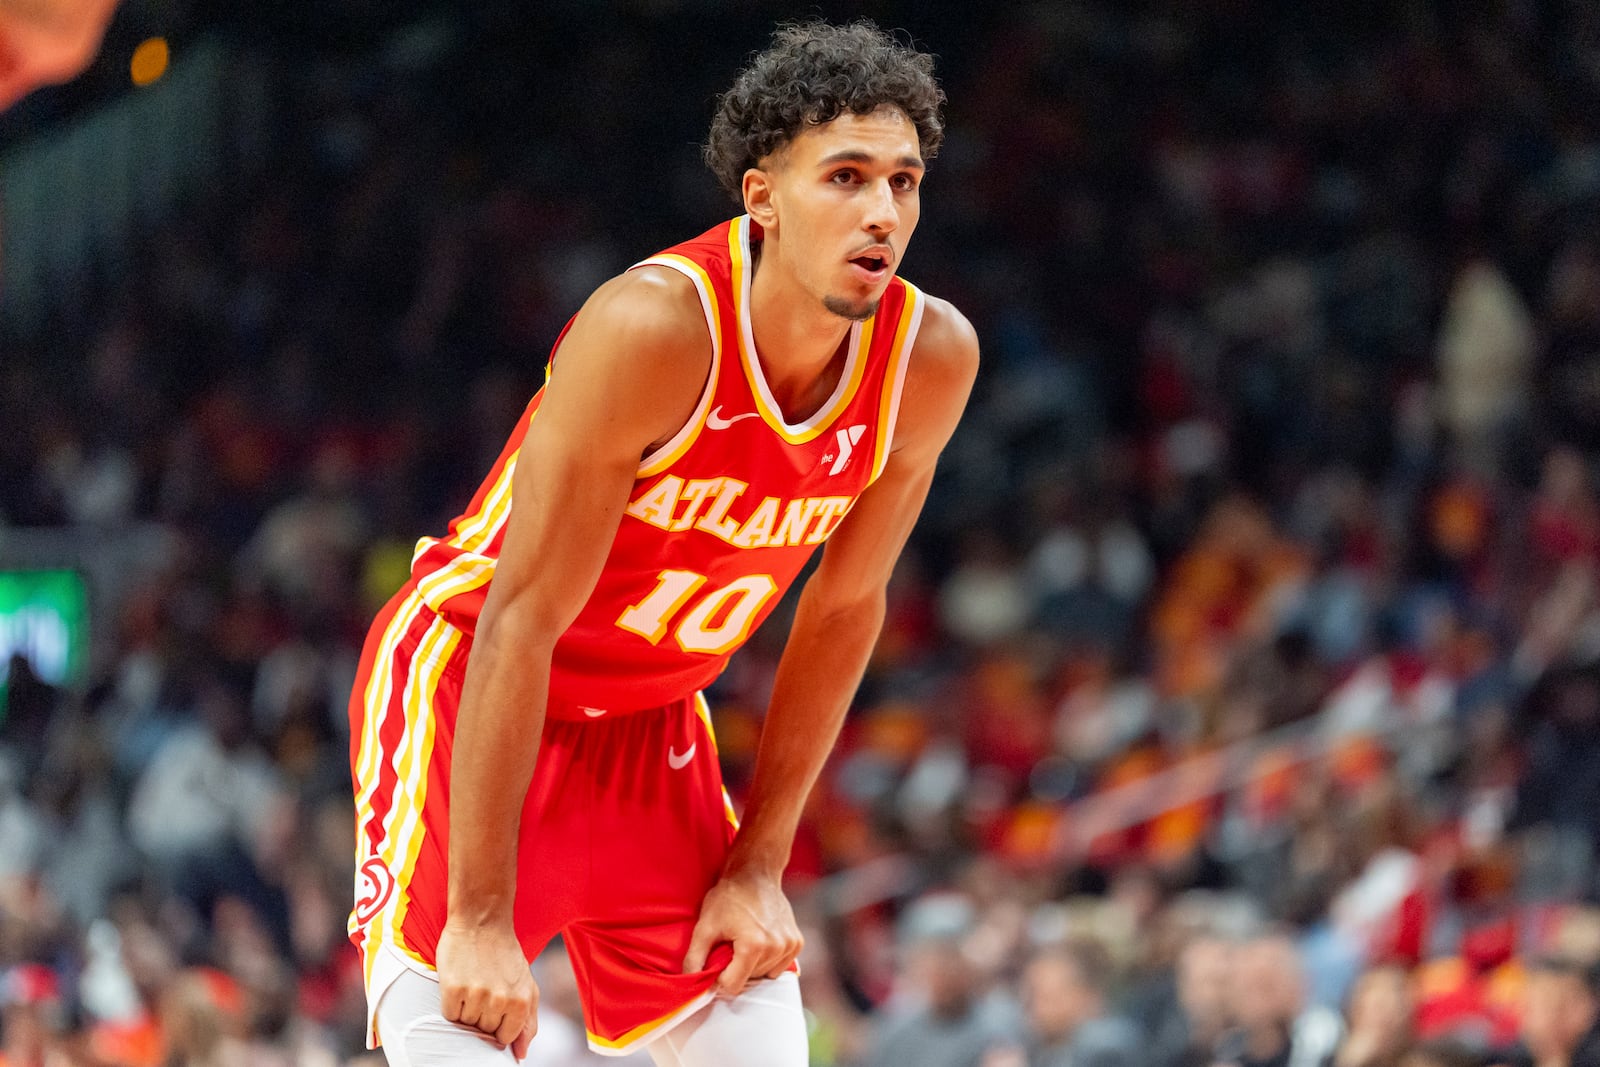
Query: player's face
{"type": "Point", "coordinates": [44, 42]}
{"type": "Point", "coordinates": [846, 197]}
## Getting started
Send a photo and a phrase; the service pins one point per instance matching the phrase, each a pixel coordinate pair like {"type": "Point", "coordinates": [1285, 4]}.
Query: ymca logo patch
{"type": "Point", "coordinates": [374, 888]}
{"type": "Point", "coordinates": [845, 442]}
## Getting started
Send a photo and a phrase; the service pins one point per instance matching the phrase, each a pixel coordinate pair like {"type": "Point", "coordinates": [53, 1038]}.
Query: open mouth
{"type": "Point", "coordinates": [873, 264]}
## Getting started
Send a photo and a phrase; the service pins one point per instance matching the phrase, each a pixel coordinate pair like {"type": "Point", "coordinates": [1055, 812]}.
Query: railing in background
{"type": "Point", "coordinates": [1220, 774]}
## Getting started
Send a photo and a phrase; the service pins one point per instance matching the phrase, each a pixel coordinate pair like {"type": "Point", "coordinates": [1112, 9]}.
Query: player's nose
{"type": "Point", "coordinates": [882, 212]}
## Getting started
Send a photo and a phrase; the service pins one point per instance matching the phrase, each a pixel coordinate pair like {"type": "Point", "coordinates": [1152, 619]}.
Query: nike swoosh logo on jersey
{"type": "Point", "coordinates": [716, 422]}
{"type": "Point", "coordinates": [677, 762]}
{"type": "Point", "coordinates": [594, 713]}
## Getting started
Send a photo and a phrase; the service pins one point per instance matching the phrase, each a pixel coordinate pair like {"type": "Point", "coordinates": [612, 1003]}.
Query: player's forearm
{"type": "Point", "coordinates": [496, 746]}
{"type": "Point", "coordinates": [821, 668]}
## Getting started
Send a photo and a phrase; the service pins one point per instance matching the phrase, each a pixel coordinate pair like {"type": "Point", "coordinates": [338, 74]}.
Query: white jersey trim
{"type": "Point", "coordinates": [704, 407]}
{"type": "Point", "coordinates": [907, 350]}
{"type": "Point", "coordinates": [831, 407]}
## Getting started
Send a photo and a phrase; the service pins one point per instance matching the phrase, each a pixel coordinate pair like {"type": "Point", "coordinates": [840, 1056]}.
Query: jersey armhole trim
{"type": "Point", "coordinates": [895, 378]}
{"type": "Point", "coordinates": [661, 458]}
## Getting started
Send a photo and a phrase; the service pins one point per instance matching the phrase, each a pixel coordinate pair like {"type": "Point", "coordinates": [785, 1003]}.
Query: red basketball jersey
{"type": "Point", "coordinates": [721, 518]}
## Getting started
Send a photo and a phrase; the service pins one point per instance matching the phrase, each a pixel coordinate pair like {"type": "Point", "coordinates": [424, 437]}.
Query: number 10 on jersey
{"type": "Point", "coordinates": [718, 620]}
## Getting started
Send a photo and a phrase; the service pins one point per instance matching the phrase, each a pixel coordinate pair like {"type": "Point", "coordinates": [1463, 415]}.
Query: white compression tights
{"type": "Point", "coordinates": [761, 1027]}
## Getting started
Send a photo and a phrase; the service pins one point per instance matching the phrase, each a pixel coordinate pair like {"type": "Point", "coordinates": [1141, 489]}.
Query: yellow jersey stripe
{"type": "Point", "coordinates": [464, 574]}
{"type": "Point", "coordinates": [471, 534]}
{"type": "Point", "coordinates": [471, 569]}
{"type": "Point", "coordinates": [905, 339]}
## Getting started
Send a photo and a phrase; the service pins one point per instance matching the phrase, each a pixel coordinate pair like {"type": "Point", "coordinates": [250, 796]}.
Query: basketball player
{"type": "Point", "coordinates": [531, 753]}
{"type": "Point", "coordinates": [45, 42]}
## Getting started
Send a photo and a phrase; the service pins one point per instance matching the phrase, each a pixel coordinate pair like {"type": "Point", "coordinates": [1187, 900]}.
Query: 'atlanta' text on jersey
{"type": "Point", "coordinates": [704, 504]}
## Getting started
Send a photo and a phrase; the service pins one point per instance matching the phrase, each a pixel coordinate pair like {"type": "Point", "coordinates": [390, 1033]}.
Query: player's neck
{"type": "Point", "coordinates": [798, 341]}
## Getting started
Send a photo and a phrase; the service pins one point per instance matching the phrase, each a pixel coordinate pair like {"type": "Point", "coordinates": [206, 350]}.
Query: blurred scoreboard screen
{"type": "Point", "coordinates": [44, 618]}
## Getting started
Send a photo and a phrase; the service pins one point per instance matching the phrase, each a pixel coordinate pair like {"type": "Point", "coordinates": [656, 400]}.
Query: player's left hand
{"type": "Point", "coordinates": [750, 912]}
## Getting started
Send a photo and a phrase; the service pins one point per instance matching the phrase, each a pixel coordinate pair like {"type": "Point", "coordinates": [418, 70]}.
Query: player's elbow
{"type": "Point", "coordinates": [844, 610]}
{"type": "Point", "coordinates": [523, 620]}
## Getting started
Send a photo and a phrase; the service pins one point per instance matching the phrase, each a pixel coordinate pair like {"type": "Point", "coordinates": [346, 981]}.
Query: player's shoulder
{"type": "Point", "coordinates": [636, 353]}
{"type": "Point", "coordinates": [947, 345]}
{"type": "Point", "coordinates": [650, 306]}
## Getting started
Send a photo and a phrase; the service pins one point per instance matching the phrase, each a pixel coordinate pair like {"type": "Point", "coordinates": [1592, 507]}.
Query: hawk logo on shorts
{"type": "Point", "coordinates": [373, 890]}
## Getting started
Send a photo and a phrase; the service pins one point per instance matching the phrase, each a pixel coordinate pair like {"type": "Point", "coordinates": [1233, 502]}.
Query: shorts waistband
{"type": "Point", "coordinates": [564, 711]}
{"type": "Point", "coordinates": [561, 711]}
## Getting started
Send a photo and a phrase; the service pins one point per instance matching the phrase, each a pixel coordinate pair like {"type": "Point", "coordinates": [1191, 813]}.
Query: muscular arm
{"type": "Point", "coordinates": [628, 374]}
{"type": "Point", "coordinates": [836, 624]}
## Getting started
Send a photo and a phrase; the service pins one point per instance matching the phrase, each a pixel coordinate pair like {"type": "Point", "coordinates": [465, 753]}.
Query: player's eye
{"type": "Point", "coordinates": [904, 182]}
{"type": "Point", "coordinates": [843, 177]}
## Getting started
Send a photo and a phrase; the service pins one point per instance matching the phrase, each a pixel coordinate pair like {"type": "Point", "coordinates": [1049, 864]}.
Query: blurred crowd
{"type": "Point", "coordinates": [1239, 700]}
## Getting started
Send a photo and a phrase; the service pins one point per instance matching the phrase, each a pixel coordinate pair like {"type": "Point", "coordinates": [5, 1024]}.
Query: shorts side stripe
{"type": "Point", "coordinates": [410, 844]}
{"type": "Point", "coordinates": [410, 761]}
{"type": "Point", "coordinates": [703, 709]}
{"type": "Point", "coordinates": [376, 696]}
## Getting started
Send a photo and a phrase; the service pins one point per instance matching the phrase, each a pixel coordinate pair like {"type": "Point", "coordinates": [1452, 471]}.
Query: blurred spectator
{"type": "Point", "coordinates": [985, 599]}
{"type": "Point", "coordinates": [1089, 571]}
{"type": "Point", "coordinates": [1560, 1014]}
{"type": "Point", "coordinates": [207, 807]}
{"type": "Point", "coordinates": [1273, 1025]}
{"type": "Point", "coordinates": [1232, 585]}
{"type": "Point", "coordinates": [33, 1019]}
{"type": "Point", "coordinates": [1189, 1036]}
{"type": "Point", "coordinates": [1379, 1023]}
{"type": "Point", "coordinates": [201, 1019]}
{"type": "Point", "coordinates": [1440, 1054]}
{"type": "Point", "coordinates": [837, 1030]}
{"type": "Point", "coordinates": [1065, 1011]}
{"type": "Point", "coordinates": [937, 1020]}
{"type": "Point", "coordinates": [1485, 356]}
{"type": "Point", "coordinates": [1561, 786]}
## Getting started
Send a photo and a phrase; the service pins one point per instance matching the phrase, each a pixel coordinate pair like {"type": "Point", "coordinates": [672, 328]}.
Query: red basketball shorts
{"type": "Point", "coordinates": [624, 829]}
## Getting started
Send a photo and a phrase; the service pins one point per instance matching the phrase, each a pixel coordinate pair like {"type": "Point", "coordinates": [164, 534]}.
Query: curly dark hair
{"type": "Point", "coordinates": [813, 73]}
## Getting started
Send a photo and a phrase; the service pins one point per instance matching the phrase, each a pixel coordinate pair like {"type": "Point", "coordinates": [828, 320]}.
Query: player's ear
{"type": "Point", "coordinates": [758, 190]}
